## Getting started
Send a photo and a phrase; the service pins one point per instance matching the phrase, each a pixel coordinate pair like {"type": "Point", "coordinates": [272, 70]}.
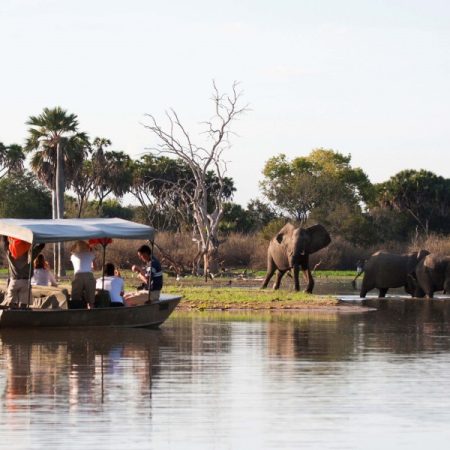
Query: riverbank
{"type": "Point", "coordinates": [242, 293]}
{"type": "Point", "coordinates": [226, 298]}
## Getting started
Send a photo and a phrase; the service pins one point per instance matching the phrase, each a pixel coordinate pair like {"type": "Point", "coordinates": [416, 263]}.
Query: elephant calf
{"type": "Point", "coordinates": [385, 270]}
{"type": "Point", "coordinates": [433, 274]}
{"type": "Point", "coordinates": [291, 248]}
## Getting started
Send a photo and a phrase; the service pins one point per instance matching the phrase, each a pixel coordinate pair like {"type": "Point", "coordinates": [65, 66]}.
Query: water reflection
{"type": "Point", "coordinates": [233, 380]}
{"type": "Point", "coordinates": [79, 366]}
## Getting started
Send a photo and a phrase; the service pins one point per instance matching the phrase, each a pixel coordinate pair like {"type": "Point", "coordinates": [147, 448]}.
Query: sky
{"type": "Point", "coordinates": [369, 78]}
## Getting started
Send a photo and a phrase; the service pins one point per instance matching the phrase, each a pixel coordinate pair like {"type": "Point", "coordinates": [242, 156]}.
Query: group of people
{"type": "Point", "coordinates": [27, 263]}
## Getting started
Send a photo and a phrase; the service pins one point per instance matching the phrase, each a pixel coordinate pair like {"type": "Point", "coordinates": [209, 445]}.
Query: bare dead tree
{"type": "Point", "coordinates": [206, 204]}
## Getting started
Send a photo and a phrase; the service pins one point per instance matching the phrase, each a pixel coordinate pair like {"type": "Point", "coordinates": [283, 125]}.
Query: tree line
{"type": "Point", "coordinates": [183, 186]}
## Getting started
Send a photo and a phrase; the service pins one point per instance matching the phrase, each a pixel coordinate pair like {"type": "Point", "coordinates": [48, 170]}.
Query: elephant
{"type": "Point", "coordinates": [433, 274]}
{"type": "Point", "coordinates": [385, 270]}
{"type": "Point", "coordinates": [291, 248]}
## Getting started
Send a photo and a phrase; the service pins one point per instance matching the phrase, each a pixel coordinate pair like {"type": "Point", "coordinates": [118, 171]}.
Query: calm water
{"type": "Point", "coordinates": [228, 381]}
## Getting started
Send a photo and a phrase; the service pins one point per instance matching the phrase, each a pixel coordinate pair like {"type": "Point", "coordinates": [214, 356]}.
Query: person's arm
{"type": "Point", "coordinates": [141, 274]}
{"type": "Point", "coordinates": [52, 278]}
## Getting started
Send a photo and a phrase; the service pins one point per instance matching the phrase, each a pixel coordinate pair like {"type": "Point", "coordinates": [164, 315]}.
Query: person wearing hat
{"type": "Point", "coordinates": [83, 284]}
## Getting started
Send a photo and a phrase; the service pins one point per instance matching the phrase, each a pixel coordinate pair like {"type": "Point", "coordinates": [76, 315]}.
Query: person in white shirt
{"type": "Point", "coordinates": [83, 284]}
{"type": "Point", "coordinates": [42, 275]}
{"type": "Point", "coordinates": [113, 284]}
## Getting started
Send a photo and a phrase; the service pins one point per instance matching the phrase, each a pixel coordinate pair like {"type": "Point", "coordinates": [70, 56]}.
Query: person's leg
{"type": "Point", "coordinates": [24, 293]}
{"type": "Point", "coordinates": [10, 296]}
{"type": "Point", "coordinates": [154, 296]}
{"type": "Point", "coordinates": [89, 288]}
{"type": "Point", "coordinates": [17, 293]}
{"type": "Point", "coordinates": [77, 287]}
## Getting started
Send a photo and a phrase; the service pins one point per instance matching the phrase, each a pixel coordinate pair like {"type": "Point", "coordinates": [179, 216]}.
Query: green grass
{"type": "Point", "coordinates": [231, 298]}
{"type": "Point", "coordinates": [335, 273]}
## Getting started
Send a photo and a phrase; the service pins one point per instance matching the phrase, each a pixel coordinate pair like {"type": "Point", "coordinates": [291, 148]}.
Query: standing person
{"type": "Point", "coordinates": [20, 270]}
{"type": "Point", "coordinates": [151, 273]}
{"type": "Point", "coordinates": [43, 276]}
{"type": "Point", "coordinates": [112, 283]}
{"type": "Point", "coordinates": [83, 284]}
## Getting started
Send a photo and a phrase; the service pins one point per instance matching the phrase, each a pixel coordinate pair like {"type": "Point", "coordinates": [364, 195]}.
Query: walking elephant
{"type": "Point", "coordinates": [291, 248]}
{"type": "Point", "coordinates": [433, 274]}
{"type": "Point", "coordinates": [385, 270]}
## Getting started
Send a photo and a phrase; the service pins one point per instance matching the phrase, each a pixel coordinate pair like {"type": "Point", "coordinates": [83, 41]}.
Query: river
{"type": "Point", "coordinates": [325, 380]}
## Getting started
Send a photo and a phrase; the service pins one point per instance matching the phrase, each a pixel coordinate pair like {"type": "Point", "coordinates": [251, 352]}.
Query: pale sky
{"type": "Point", "coordinates": [370, 78]}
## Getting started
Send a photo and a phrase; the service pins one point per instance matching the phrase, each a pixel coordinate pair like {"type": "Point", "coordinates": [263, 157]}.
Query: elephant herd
{"type": "Point", "coordinates": [421, 273]}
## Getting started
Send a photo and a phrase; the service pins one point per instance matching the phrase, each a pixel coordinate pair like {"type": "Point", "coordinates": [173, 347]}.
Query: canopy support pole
{"type": "Point", "coordinates": [30, 259]}
{"type": "Point", "coordinates": [103, 267]}
{"type": "Point", "coordinates": [150, 272]}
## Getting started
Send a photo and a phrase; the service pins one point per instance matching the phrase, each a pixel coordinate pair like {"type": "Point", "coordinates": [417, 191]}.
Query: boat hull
{"type": "Point", "coordinates": [151, 315]}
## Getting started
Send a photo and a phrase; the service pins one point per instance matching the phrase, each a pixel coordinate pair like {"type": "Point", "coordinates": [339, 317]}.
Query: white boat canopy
{"type": "Point", "coordinates": [60, 230]}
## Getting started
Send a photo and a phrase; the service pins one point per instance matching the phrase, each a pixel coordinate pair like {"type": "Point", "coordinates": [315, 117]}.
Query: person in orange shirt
{"type": "Point", "coordinates": [20, 266]}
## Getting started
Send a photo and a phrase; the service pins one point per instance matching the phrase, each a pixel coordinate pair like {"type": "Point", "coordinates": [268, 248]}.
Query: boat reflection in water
{"type": "Point", "coordinates": [76, 367]}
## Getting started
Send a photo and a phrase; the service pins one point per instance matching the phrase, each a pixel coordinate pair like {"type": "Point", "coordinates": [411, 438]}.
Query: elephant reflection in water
{"type": "Point", "coordinates": [290, 249]}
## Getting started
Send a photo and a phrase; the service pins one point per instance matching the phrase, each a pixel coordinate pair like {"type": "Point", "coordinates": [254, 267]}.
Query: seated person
{"type": "Point", "coordinates": [151, 276]}
{"type": "Point", "coordinates": [113, 284]}
{"type": "Point", "coordinates": [42, 276]}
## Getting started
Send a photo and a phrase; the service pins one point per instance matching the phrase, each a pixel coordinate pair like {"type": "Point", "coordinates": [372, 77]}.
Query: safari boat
{"type": "Point", "coordinates": [37, 231]}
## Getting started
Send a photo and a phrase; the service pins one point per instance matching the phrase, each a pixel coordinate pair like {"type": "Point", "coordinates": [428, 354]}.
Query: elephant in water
{"type": "Point", "coordinates": [433, 274]}
{"type": "Point", "coordinates": [385, 270]}
{"type": "Point", "coordinates": [291, 248]}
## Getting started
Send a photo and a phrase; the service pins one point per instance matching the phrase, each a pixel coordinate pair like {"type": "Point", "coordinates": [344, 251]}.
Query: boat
{"type": "Point", "coordinates": [151, 315]}
{"type": "Point", "coordinates": [37, 231]}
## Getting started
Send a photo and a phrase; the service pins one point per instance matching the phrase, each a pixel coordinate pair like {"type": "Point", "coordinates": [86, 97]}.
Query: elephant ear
{"type": "Point", "coordinates": [317, 238]}
{"type": "Point", "coordinates": [285, 231]}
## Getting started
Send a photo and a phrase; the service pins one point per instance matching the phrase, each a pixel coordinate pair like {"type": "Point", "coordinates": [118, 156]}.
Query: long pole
{"type": "Point", "coordinates": [150, 272]}
{"type": "Point", "coordinates": [60, 200]}
{"type": "Point", "coordinates": [103, 267]}
{"type": "Point", "coordinates": [30, 261]}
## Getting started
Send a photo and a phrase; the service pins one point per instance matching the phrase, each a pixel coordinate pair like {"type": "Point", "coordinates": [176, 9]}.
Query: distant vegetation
{"type": "Point", "coordinates": [182, 191]}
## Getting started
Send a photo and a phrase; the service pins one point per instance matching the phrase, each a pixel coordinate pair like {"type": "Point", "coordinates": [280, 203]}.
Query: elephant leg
{"type": "Point", "coordinates": [418, 293]}
{"type": "Point", "coordinates": [383, 292]}
{"type": "Point", "coordinates": [270, 271]}
{"type": "Point", "coordinates": [308, 275]}
{"type": "Point", "coordinates": [366, 286]}
{"type": "Point", "coordinates": [296, 276]}
{"type": "Point", "coordinates": [278, 278]}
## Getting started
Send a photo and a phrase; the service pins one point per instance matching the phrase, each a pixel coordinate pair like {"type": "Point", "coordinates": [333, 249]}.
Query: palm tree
{"type": "Point", "coordinates": [54, 136]}
{"type": "Point", "coordinates": [111, 171]}
{"type": "Point", "coordinates": [11, 159]}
